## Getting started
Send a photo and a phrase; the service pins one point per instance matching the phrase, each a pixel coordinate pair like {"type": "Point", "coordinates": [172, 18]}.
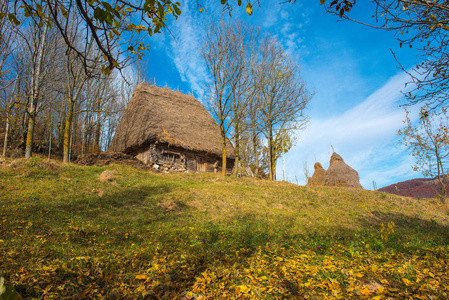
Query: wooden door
{"type": "Point", "coordinates": [201, 164]}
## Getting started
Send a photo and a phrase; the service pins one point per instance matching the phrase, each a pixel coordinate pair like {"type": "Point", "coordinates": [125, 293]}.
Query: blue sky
{"type": "Point", "coordinates": [350, 67]}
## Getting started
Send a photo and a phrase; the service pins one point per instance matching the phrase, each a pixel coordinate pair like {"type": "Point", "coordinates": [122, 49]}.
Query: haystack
{"type": "Point", "coordinates": [340, 174]}
{"type": "Point", "coordinates": [318, 175]}
{"type": "Point", "coordinates": [173, 130]}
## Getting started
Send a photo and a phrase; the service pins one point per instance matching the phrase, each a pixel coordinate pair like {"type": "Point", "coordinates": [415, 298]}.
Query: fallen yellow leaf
{"type": "Point", "coordinates": [406, 281]}
{"type": "Point", "coordinates": [365, 292]}
{"type": "Point", "coordinates": [243, 288]}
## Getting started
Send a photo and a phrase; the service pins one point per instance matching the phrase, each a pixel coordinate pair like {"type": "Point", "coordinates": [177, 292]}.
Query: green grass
{"type": "Point", "coordinates": [65, 234]}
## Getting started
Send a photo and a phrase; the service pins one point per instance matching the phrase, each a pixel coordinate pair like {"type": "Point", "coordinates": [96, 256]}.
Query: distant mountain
{"type": "Point", "coordinates": [417, 188]}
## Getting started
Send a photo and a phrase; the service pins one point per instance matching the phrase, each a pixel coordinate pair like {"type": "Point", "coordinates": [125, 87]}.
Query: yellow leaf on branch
{"type": "Point", "coordinates": [249, 9]}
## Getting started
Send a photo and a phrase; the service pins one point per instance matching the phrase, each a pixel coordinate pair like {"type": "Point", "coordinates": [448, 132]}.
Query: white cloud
{"type": "Point", "coordinates": [184, 49]}
{"type": "Point", "coordinates": [285, 22]}
{"type": "Point", "coordinates": [284, 14]}
{"type": "Point", "coordinates": [189, 28]}
{"type": "Point", "coordinates": [271, 13]}
{"type": "Point", "coordinates": [365, 136]}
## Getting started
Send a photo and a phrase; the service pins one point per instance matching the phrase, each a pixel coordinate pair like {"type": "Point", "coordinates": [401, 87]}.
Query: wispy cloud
{"type": "Point", "coordinates": [287, 24]}
{"type": "Point", "coordinates": [364, 135]}
{"type": "Point", "coordinates": [189, 28]}
{"type": "Point", "coordinates": [184, 49]}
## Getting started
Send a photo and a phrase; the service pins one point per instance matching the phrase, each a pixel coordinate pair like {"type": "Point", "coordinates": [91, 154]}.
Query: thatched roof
{"type": "Point", "coordinates": [318, 175]}
{"type": "Point", "coordinates": [166, 116]}
{"type": "Point", "coordinates": [340, 174]}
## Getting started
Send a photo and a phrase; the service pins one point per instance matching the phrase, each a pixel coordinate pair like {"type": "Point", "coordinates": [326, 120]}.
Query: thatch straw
{"type": "Point", "coordinates": [340, 174]}
{"type": "Point", "coordinates": [161, 115]}
{"type": "Point", "coordinates": [318, 175]}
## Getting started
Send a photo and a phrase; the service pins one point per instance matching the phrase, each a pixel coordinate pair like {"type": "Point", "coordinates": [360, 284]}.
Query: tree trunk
{"type": "Point", "coordinates": [236, 166]}
{"type": "Point", "coordinates": [49, 147]}
{"type": "Point", "coordinates": [223, 163]}
{"type": "Point", "coordinates": [68, 138]}
{"type": "Point", "coordinates": [72, 138]}
{"type": "Point", "coordinates": [97, 137]}
{"type": "Point", "coordinates": [67, 132]}
{"type": "Point", "coordinates": [237, 150]}
{"type": "Point", "coordinates": [8, 111]}
{"type": "Point", "coordinates": [24, 126]}
{"type": "Point", "coordinates": [85, 145]}
{"type": "Point", "coordinates": [256, 154]}
{"type": "Point", "coordinates": [97, 128]}
{"type": "Point", "coordinates": [270, 153]}
{"type": "Point", "coordinates": [5, 143]}
{"type": "Point", "coordinates": [441, 178]}
{"type": "Point", "coordinates": [35, 82]}
{"type": "Point", "coordinates": [29, 138]}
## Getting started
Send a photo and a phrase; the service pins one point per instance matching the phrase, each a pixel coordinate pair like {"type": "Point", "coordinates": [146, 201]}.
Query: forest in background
{"type": "Point", "coordinates": [43, 81]}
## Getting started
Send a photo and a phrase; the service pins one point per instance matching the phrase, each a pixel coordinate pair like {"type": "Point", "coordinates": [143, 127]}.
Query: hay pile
{"type": "Point", "coordinates": [318, 175]}
{"type": "Point", "coordinates": [106, 176]}
{"type": "Point", "coordinates": [338, 174]}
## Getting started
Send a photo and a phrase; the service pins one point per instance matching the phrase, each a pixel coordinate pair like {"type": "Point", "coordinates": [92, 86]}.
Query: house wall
{"type": "Point", "coordinates": [168, 158]}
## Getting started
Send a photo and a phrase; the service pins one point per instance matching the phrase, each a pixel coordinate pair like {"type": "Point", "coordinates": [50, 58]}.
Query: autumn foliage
{"type": "Point", "coordinates": [427, 140]}
{"type": "Point", "coordinates": [65, 234]}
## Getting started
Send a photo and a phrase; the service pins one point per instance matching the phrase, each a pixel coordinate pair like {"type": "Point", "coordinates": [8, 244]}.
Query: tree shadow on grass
{"type": "Point", "coordinates": [248, 231]}
{"type": "Point", "coordinates": [410, 232]}
{"type": "Point", "coordinates": [406, 223]}
{"type": "Point", "coordinates": [121, 217]}
{"type": "Point", "coordinates": [129, 197]}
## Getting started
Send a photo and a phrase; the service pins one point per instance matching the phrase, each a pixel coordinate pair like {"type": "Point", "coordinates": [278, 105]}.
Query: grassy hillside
{"type": "Point", "coordinates": [72, 232]}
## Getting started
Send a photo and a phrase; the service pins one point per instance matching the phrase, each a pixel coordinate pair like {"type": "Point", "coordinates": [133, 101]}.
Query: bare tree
{"type": "Point", "coordinates": [244, 39]}
{"type": "Point", "coordinates": [76, 79]}
{"type": "Point", "coordinates": [254, 85]}
{"type": "Point", "coordinates": [8, 107]}
{"type": "Point", "coordinates": [105, 105]}
{"type": "Point", "coordinates": [7, 34]}
{"type": "Point", "coordinates": [7, 79]}
{"type": "Point", "coordinates": [47, 93]}
{"type": "Point", "coordinates": [228, 50]}
{"type": "Point", "coordinates": [283, 95]}
{"type": "Point", "coordinates": [254, 127]}
{"type": "Point", "coordinates": [36, 77]}
{"type": "Point", "coordinates": [131, 77]}
{"type": "Point", "coordinates": [306, 171]}
{"type": "Point", "coordinates": [105, 99]}
{"type": "Point", "coordinates": [13, 99]}
{"type": "Point", "coordinates": [220, 53]}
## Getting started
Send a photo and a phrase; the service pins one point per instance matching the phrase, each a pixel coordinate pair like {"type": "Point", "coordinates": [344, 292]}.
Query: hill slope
{"type": "Point", "coordinates": [418, 188]}
{"type": "Point", "coordinates": [115, 232]}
